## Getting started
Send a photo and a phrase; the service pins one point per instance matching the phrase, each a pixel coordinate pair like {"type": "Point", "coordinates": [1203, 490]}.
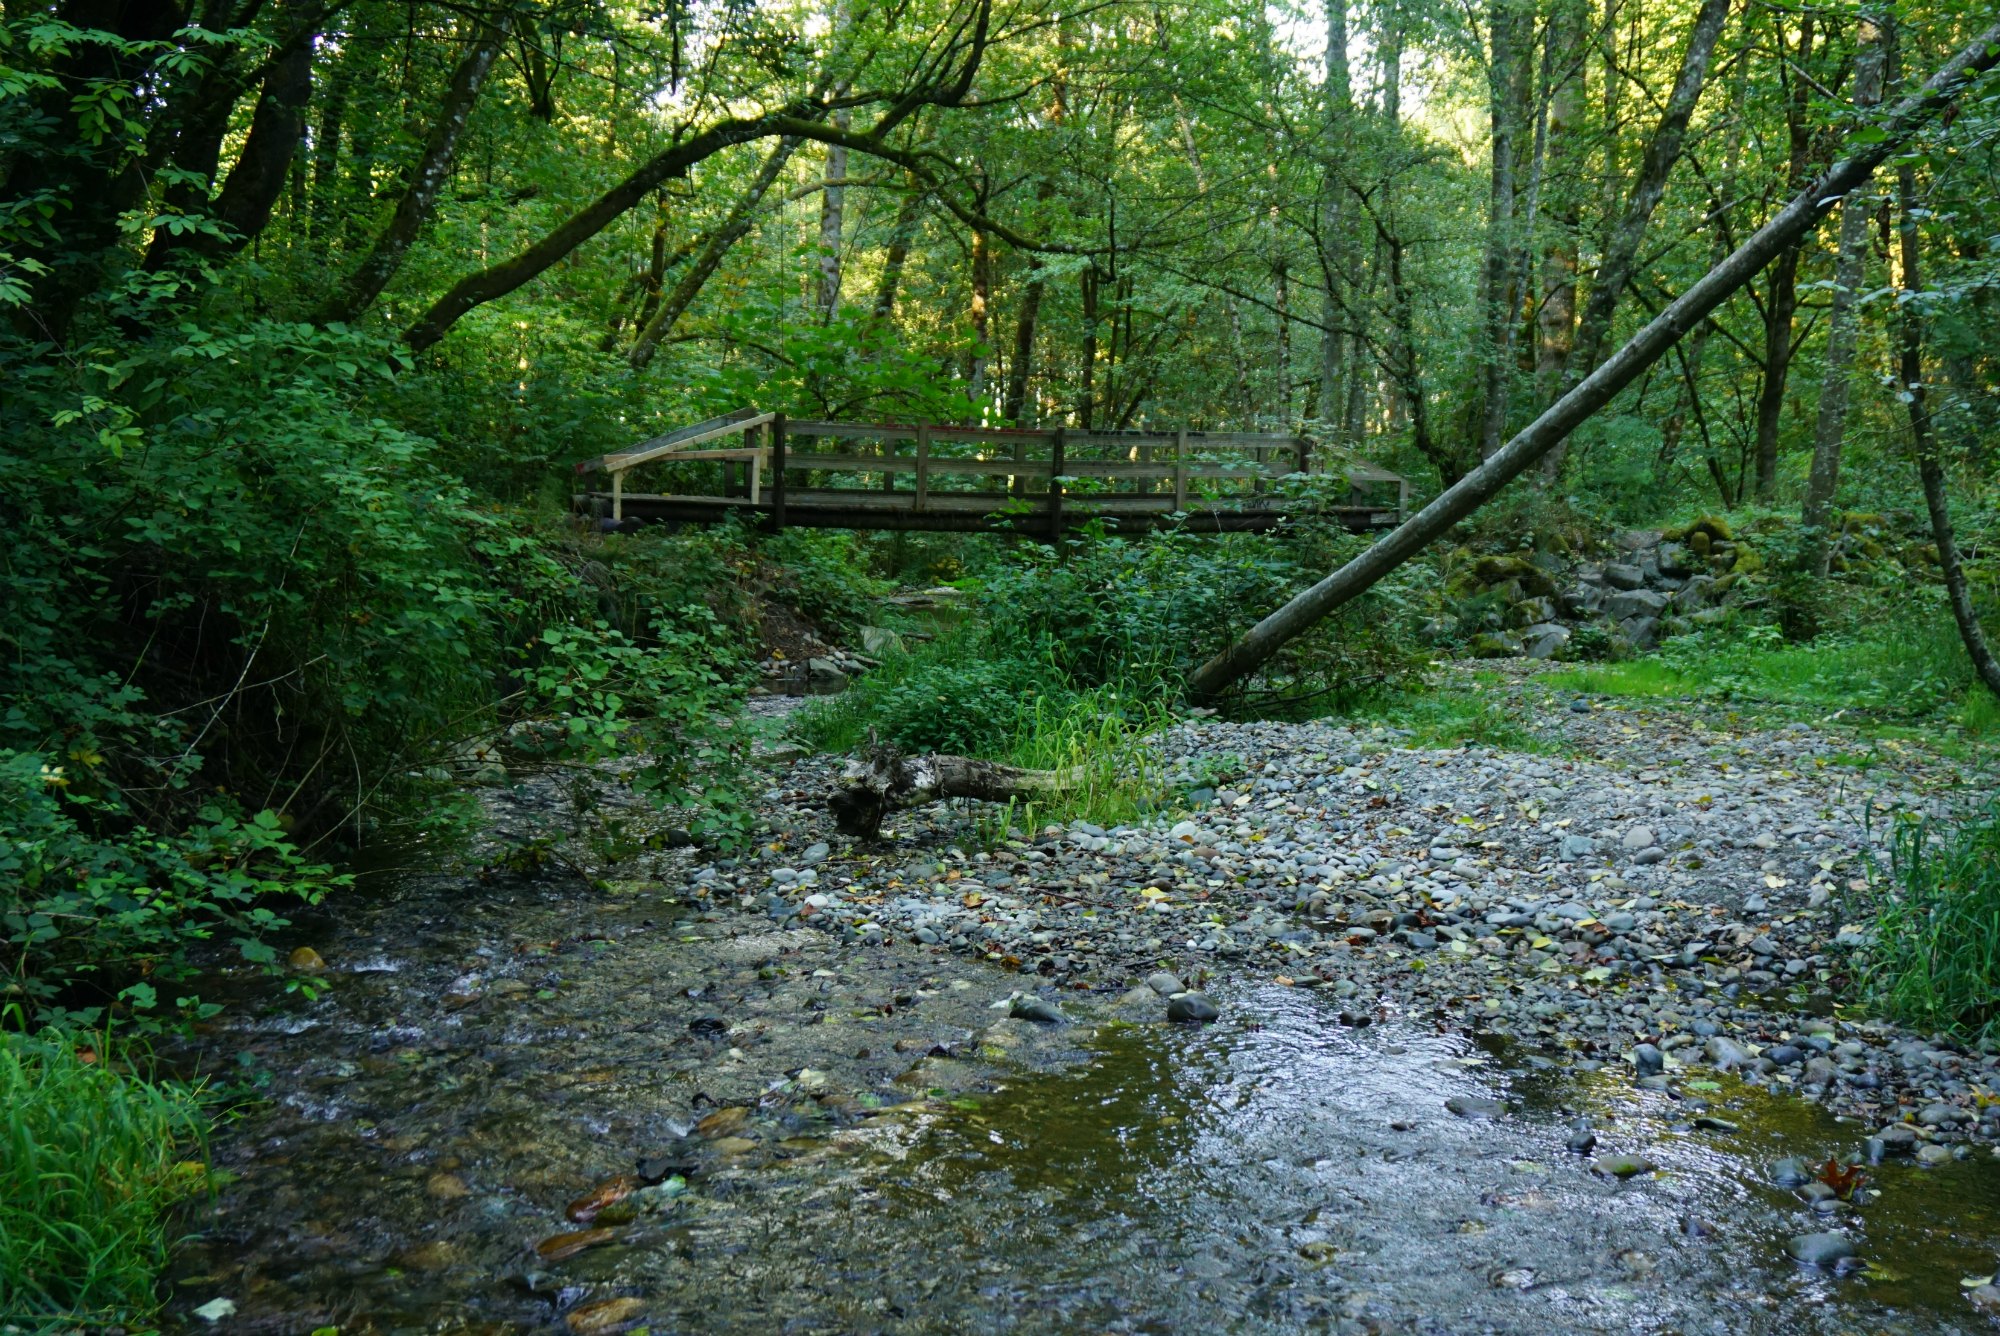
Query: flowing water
{"type": "Point", "coordinates": [902, 1163]}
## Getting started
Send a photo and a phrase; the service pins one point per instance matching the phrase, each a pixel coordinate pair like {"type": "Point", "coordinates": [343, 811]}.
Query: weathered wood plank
{"type": "Point", "coordinates": [741, 420]}
{"type": "Point", "coordinates": [962, 513]}
{"type": "Point", "coordinates": [1032, 468]}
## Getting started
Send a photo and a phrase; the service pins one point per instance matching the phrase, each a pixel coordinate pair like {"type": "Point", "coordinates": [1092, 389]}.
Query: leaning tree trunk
{"type": "Point", "coordinates": [1603, 384]}
{"type": "Point", "coordinates": [1929, 467]}
{"type": "Point", "coordinates": [733, 229]}
{"type": "Point", "coordinates": [882, 780]}
{"type": "Point", "coordinates": [1621, 254]}
{"type": "Point", "coordinates": [427, 179]}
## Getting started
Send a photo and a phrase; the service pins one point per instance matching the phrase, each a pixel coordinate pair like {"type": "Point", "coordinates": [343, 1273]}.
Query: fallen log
{"type": "Point", "coordinates": [881, 780]}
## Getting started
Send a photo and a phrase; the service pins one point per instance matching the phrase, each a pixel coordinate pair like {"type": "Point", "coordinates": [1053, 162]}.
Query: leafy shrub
{"type": "Point", "coordinates": [945, 696]}
{"type": "Point", "coordinates": [240, 612]}
{"type": "Point", "coordinates": [824, 574]}
{"type": "Point", "coordinates": [118, 917]}
{"type": "Point", "coordinates": [1936, 959]}
{"type": "Point", "coordinates": [1144, 613]}
{"type": "Point", "coordinates": [91, 1161]}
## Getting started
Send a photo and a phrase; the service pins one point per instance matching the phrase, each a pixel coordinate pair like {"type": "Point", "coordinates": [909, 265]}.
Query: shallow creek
{"type": "Point", "coordinates": [908, 1160]}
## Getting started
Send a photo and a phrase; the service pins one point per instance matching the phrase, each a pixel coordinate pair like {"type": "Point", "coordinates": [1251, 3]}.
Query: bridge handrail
{"type": "Point", "coordinates": [743, 419]}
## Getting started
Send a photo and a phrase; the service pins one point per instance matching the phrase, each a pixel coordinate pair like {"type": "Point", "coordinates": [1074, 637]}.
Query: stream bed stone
{"type": "Point", "coordinates": [1387, 936]}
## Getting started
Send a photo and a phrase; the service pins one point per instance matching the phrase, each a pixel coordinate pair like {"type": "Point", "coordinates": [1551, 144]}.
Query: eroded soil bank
{"type": "Point", "coordinates": [1487, 1060]}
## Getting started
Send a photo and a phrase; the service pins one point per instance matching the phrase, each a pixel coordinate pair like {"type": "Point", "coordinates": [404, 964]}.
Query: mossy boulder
{"type": "Point", "coordinates": [1502, 570]}
{"type": "Point", "coordinates": [1713, 526]}
{"type": "Point", "coordinates": [1496, 645]}
{"type": "Point", "coordinates": [1531, 611]}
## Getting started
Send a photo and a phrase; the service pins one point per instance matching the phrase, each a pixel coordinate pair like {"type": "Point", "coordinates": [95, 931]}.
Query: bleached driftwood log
{"type": "Point", "coordinates": [881, 780]}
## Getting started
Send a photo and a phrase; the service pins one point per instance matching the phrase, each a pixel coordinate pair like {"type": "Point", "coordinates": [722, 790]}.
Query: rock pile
{"type": "Point", "coordinates": [1660, 583]}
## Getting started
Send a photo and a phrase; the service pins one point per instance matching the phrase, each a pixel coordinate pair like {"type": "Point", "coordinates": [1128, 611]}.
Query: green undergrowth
{"type": "Point", "coordinates": [1019, 713]}
{"type": "Point", "coordinates": [92, 1160]}
{"type": "Point", "coordinates": [1451, 716]}
{"type": "Point", "coordinates": [1066, 657]}
{"type": "Point", "coordinates": [1914, 674]}
{"type": "Point", "coordinates": [1936, 959]}
{"type": "Point", "coordinates": [1633, 677]}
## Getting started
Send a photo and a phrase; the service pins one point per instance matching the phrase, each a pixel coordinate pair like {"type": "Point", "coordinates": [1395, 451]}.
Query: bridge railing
{"type": "Point", "coordinates": [922, 467]}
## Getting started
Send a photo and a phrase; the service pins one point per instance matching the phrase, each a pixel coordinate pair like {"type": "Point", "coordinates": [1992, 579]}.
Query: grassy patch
{"type": "Point", "coordinates": [1919, 673]}
{"type": "Point", "coordinates": [91, 1159]}
{"type": "Point", "coordinates": [1634, 677]}
{"type": "Point", "coordinates": [940, 697]}
{"type": "Point", "coordinates": [1936, 962]}
{"type": "Point", "coordinates": [1450, 717]}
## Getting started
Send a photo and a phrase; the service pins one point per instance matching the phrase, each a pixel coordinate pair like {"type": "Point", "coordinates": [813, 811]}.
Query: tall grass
{"type": "Point", "coordinates": [1918, 671]}
{"type": "Point", "coordinates": [91, 1160]}
{"type": "Point", "coordinates": [1449, 717]}
{"type": "Point", "coordinates": [1019, 711]}
{"type": "Point", "coordinates": [1936, 961]}
{"type": "Point", "coordinates": [1634, 677]}
{"type": "Point", "coordinates": [1099, 738]}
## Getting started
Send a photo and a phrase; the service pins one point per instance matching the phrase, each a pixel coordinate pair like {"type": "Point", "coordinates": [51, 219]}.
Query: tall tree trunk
{"type": "Point", "coordinates": [1781, 297]}
{"type": "Point", "coordinates": [982, 299]}
{"type": "Point", "coordinates": [244, 205]}
{"type": "Point", "coordinates": [1354, 422]}
{"type": "Point", "coordinates": [1281, 393]}
{"type": "Point", "coordinates": [1339, 95]}
{"type": "Point", "coordinates": [1555, 321]}
{"type": "Point", "coordinates": [1602, 385]}
{"type": "Point", "coordinates": [1391, 53]}
{"type": "Point", "coordinates": [1086, 403]}
{"type": "Point", "coordinates": [427, 179]}
{"type": "Point", "coordinates": [902, 235]}
{"type": "Point", "coordinates": [1621, 252]}
{"type": "Point", "coordinates": [1496, 278]}
{"type": "Point", "coordinates": [1408, 369]}
{"type": "Point", "coordinates": [1849, 270]}
{"type": "Point", "coordinates": [742, 217]}
{"type": "Point", "coordinates": [832, 221]}
{"type": "Point", "coordinates": [1663, 150]}
{"type": "Point", "coordinates": [1021, 366]}
{"type": "Point", "coordinates": [1930, 467]}
{"type": "Point", "coordinates": [650, 284]}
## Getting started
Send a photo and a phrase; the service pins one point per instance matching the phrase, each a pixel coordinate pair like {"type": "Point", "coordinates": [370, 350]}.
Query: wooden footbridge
{"type": "Point", "coordinates": [843, 475]}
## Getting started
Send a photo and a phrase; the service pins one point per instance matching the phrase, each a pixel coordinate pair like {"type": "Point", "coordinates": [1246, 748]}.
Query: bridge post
{"type": "Point", "coordinates": [1055, 487]}
{"type": "Point", "coordinates": [1305, 452]}
{"type": "Point", "coordinates": [923, 500]}
{"type": "Point", "coordinates": [777, 430]}
{"type": "Point", "coordinates": [1180, 469]}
